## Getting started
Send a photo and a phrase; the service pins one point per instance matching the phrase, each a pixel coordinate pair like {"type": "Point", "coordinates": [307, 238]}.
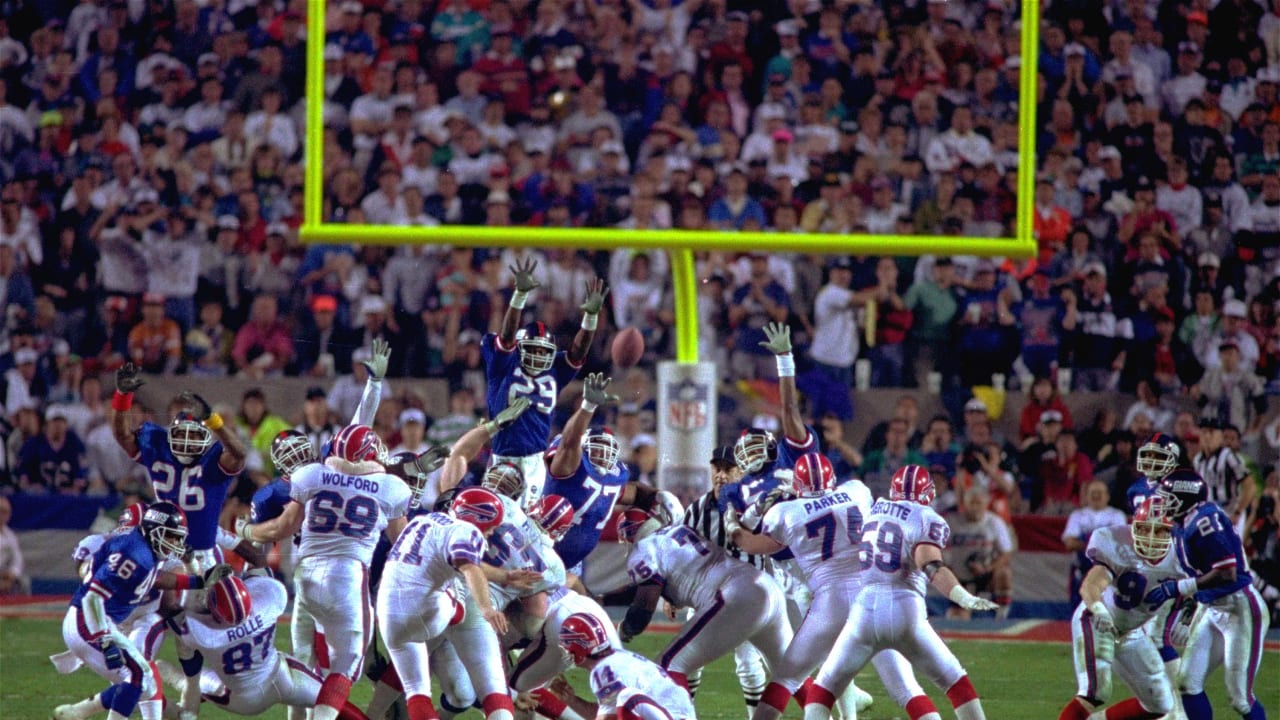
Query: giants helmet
{"type": "Point", "coordinates": [164, 525]}
{"type": "Point", "coordinates": [755, 449]}
{"type": "Point", "coordinates": [537, 348]}
{"type": "Point", "coordinates": [479, 507]}
{"type": "Point", "coordinates": [291, 450]}
{"type": "Point", "coordinates": [1182, 490]}
{"type": "Point", "coordinates": [229, 602]}
{"type": "Point", "coordinates": [602, 449]}
{"type": "Point", "coordinates": [504, 478]}
{"type": "Point", "coordinates": [188, 438]}
{"type": "Point", "coordinates": [814, 475]}
{"type": "Point", "coordinates": [359, 443]}
{"type": "Point", "coordinates": [634, 524]}
{"type": "Point", "coordinates": [584, 636]}
{"type": "Point", "coordinates": [913, 484]}
{"type": "Point", "coordinates": [1152, 529]}
{"type": "Point", "coordinates": [554, 514]}
{"type": "Point", "coordinates": [404, 466]}
{"type": "Point", "coordinates": [1158, 456]}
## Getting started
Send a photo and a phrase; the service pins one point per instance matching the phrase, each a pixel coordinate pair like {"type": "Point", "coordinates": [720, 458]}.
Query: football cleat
{"type": "Point", "coordinates": [913, 484]}
{"type": "Point", "coordinates": [554, 514]}
{"type": "Point", "coordinates": [813, 475]}
{"type": "Point", "coordinates": [504, 478]}
{"type": "Point", "coordinates": [188, 438]}
{"type": "Point", "coordinates": [755, 449]}
{"type": "Point", "coordinates": [478, 506]}
{"type": "Point", "coordinates": [229, 601]}
{"type": "Point", "coordinates": [1158, 456]}
{"type": "Point", "coordinates": [164, 525]}
{"type": "Point", "coordinates": [583, 636]}
{"type": "Point", "coordinates": [291, 450]}
{"type": "Point", "coordinates": [537, 348]}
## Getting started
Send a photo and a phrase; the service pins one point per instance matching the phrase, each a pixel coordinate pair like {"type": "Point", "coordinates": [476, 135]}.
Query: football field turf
{"type": "Point", "coordinates": [1018, 680]}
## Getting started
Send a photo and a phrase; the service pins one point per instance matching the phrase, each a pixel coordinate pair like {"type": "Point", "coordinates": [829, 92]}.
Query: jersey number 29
{"type": "Point", "coordinates": [540, 390]}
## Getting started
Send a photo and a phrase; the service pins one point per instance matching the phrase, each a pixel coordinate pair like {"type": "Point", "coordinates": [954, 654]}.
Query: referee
{"type": "Point", "coordinates": [703, 515]}
{"type": "Point", "coordinates": [1224, 472]}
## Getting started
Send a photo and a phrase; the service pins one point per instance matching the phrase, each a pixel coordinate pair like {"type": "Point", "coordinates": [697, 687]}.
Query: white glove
{"type": "Point", "coordinates": [731, 521]}
{"type": "Point", "coordinates": [964, 599]}
{"type": "Point", "coordinates": [242, 528]}
{"type": "Point", "coordinates": [1102, 620]}
{"type": "Point", "coordinates": [1104, 646]}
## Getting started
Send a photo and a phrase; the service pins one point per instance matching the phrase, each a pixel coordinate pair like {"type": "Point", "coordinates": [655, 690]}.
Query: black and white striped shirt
{"type": "Point", "coordinates": [703, 517]}
{"type": "Point", "coordinates": [1223, 471]}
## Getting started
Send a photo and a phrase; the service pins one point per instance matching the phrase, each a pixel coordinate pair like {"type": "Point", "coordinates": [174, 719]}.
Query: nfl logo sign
{"type": "Point", "coordinates": [687, 405]}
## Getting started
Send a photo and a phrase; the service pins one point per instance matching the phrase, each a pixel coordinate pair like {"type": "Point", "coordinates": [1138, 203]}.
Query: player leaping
{"type": "Point", "coordinates": [525, 363]}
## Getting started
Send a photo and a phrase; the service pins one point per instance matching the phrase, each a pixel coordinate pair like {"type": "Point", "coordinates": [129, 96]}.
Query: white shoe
{"type": "Point", "coordinates": [66, 712]}
{"type": "Point", "coordinates": [862, 699]}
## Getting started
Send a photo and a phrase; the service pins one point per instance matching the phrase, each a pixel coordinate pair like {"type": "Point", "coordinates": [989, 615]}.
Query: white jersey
{"type": "Point", "coordinates": [976, 542]}
{"type": "Point", "coordinates": [889, 539]}
{"type": "Point", "coordinates": [243, 655]}
{"type": "Point", "coordinates": [623, 670]}
{"type": "Point", "coordinates": [520, 544]}
{"type": "Point", "coordinates": [429, 551]}
{"type": "Point", "coordinates": [1132, 576]}
{"type": "Point", "coordinates": [690, 569]}
{"type": "Point", "coordinates": [822, 534]}
{"type": "Point", "coordinates": [346, 513]}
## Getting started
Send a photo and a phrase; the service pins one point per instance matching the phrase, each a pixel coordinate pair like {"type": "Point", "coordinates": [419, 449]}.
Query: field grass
{"type": "Point", "coordinates": [1018, 680]}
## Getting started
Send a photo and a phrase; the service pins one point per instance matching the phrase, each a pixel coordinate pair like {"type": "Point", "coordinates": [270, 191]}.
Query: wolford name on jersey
{"type": "Point", "coordinates": [359, 483]}
{"type": "Point", "coordinates": [826, 501]}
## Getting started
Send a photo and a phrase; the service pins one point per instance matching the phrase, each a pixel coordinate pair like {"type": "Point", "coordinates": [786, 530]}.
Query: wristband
{"type": "Point", "coordinates": [1188, 587]}
{"type": "Point", "coordinates": [589, 406]}
{"type": "Point", "coordinates": [214, 422]}
{"type": "Point", "coordinates": [492, 428]}
{"type": "Point", "coordinates": [189, 582]}
{"type": "Point", "coordinates": [121, 401]}
{"type": "Point", "coordinates": [786, 365]}
{"type": "Point", "coordinates": [590, 321]}
{"type": "Point", "coordinates": [519, 298]}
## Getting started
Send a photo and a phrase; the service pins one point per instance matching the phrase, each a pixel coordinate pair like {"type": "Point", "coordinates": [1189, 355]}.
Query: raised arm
{"type": "Point", "coordinates": [474, 440]}
{"type": "Point", "coordinates": [372, 395]}
{"type": "Point", "coordinates": [233, 451]}
{"type": "Point", "coordinates": [524, 284]}
{"type": "Point", "coordinates": [568, 456]}
{"type": "Point", "coordinates": [127, 383]}
{"type": "Point", "coordinates": [597, 291]}
{"type": "Point", "coordinates": [928, 558]}
{"type": "Point", "coordinates": [778, 342]}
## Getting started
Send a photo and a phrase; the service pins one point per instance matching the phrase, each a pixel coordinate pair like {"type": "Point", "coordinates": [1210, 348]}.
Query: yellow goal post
{"type": "Point", "coordinates": [680, 244]}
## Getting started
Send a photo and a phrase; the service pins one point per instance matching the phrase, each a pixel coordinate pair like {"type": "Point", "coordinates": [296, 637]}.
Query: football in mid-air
{"type": "Point", "coordinates": [627, 348]}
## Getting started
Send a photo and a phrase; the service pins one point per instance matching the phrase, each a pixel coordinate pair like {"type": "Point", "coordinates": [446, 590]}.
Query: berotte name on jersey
{"type": "Point", "coordinates": [359, 483]}
{"type": "Point", "coordinates": [246, 628]}
{"type": "Point", "coordinates": [884, 507]}
{"type": "Point", "coordinates": [826, 501]}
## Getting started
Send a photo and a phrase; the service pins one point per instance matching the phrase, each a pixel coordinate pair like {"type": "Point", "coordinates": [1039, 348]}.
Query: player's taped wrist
{"type": "Point", "coordinates": [519, 298]}
{"type": "Point", "coordinates": [589, 406]}
{"type": "Point", "coordinates": [590, 321]}
{"type": "Point", "coordinates": [121, 401]}
{"type": "Point", "coordinates": [960, 596]}
{"type": "Point", "coordinates": [786, 365]}
{"type": "Point", "coordinates": [214, 422]}
{"type": "Point", "coordinates": [1099, 609]}
{"type": "Point", "coordinates": [1188, 587]}
{"type": "Point", "coordinates": [491, 427]}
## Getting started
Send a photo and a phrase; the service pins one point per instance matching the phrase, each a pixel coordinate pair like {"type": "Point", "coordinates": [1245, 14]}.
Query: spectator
{"type": "Point", "coordinates": [1040, 316]}
{"type": "Point", "coordinates": [1231, 393]}
{"type": "Point", "coordinates": [1149, 404]}
{"type": "Point", "coordinates": [155, 344]}
{"type": "Point", "coordinates": [1099, 333]}
{"type": "Point", "coordinates": [1232, 329]}
{"type": "Point", "coordinates": [344, 396]}
{"type": "Point", "coordinates": [958, 144]}
{"type": "Point", "coordinates": [835, 340]}
{"type": "Point", "coordinates": [934, 303]}
{"type": "Point", "coordinates": [939, 447]}
{"type": "Point", "coordinates": [643, 464]}
{"type": "Point", "coordinates": [892, 321]}
{"type": "Point", "coordinates": [755, 303]}
{"type": "Point", "coordinates": [1095, 515]}
{"type": "Point", "coordinates": [461, 418]}
{"type": "Point", "coordinates": [906, 409]}
{"type": "Point", "coordinates": [13, 578]}
{"type": "Point", "coordinates": [1164, 361]}
{"type": "Point", "coordinates": [262, 346]}
{"type": "Point", "coordinates": [880, 465]}
{"type": "Point", "coordinates": [736, 208]}
{"type": "Point", "coordinates": [412, 427]}
{"type": "Point", "coordinates": [259, 426]}
{"type": "Point", "coordinates": [22, 386]}
{"type": "Point", "coordinates": [981, 552]}
{"type": "Point", "coordinates": [1064, 472]}
{"type": "Point", "coordinates": [1042, 397]}
{"type": "Point", "coordinates": [207, 346]}
{"type": "Point", "coordinates": [984, 344]}
{"type": "Point", "coordinates": [54, 460]}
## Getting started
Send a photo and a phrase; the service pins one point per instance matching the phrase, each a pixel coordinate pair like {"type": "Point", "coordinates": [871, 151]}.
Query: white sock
{"type": "Point", "coordinates": [818, 711]}
{"type": "Point", "coordinates": [324, 712]}
{"type": "Point", "coordinates": [570, 714]}
{"type": "Point", "coordinates": [113, 715]}
{"type": "Point", "coordinates": [971, 710]}
{"type": "Point", "coordinates": [384, 696]}
{"type": "Point", "coordinates": [151, 709]}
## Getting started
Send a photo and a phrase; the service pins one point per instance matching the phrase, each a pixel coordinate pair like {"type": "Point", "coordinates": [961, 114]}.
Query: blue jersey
{"type": "Point", "coordinates": [122, 572]}
{"type": "Point", "coordinates": [790, 452]}
{"type": "Point", "coordinates": [593, 495]}
{"type": "Point", "coordinates": [269, 501]}
{"type": "Point", "coordinates": [1141, 489]}
{"type": "Point", "coordinates": [507, 381]}
{"type": "Point", "coordinates": [1206, 541]}
{"type": "Point", "coordinates": [199, 488]}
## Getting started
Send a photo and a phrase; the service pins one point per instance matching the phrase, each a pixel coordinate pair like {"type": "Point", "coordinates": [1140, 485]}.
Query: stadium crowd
{"type": "Point", "coordinates": [151, 185]}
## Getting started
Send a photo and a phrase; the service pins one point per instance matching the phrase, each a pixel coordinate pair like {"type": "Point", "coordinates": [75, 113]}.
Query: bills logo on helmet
{"type": "Point", "coordinates": [913, 484]}
{"type": "Point", "coordinates": [813, 475]}
{"type": "Point", "coordinates": [229, 601]}
{"type": "Point", "coordinates": [358, 443]}
{"type": "Point", "coordinates": [554, 514]}
{"type": "Point", "coordinates": [583, 635]}
{"type": "Point", "coordinates": [479, 507]}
